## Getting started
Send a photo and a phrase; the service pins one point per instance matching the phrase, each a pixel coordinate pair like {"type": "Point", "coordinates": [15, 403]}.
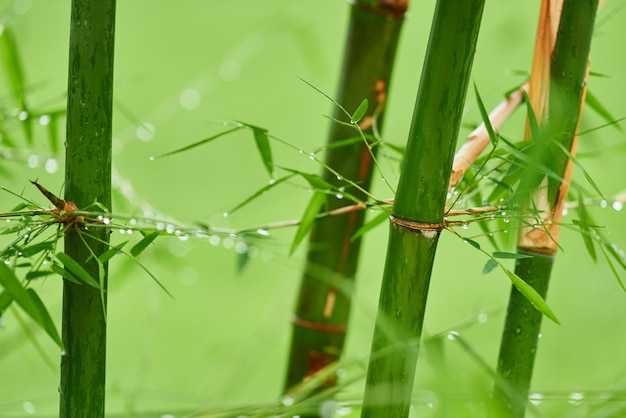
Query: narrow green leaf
{"type": "Point", "coordinates": [485, 116]}
{"type": "Point", "coordinates": [531, 294]}
{"type": "Point", "coordinates": [143, 244]}
{"type": "Point", "coordinates": [583, 225]}
{"type": "Point", "coordinates": [33, 275]}
{"type": "Point", "coordinates": [359, 112]}
{"type": "Point", "coordinates": [242, 261]}
{"type": "Point", "coordinates": [108, 254]}
{"type": "Point", "coordinates": [58, 269]}
{"type": "Point", "coordinates": [5, 301]}
{"type": "Point", "coordinates": [37, 248]}
{"type": "Point", "coordinates": [581, 168]}
{"type": "Point", "coordinates": [263, 145]}
{"type": "Point", "coordinates": [46, 320]}
{"type": "Point", "coordinates": [340, 122]}
{"type": "Point", "coordinates": [611, 266]}
{"type": "Point", "coordinates": [78, 270]}
{"type": "Point", "coordinates": [506, 255]}
{"type": "Point", "coordinates": [14, 288]}
{"type": "Point", "coordinates": [593, 102]}
{"type": "Point", "coordinates": [197, 144]}
{"type": "Point", "coordinates": [273, 183]}
{"type": "Point", "coordinates": [369, 225]}
{"type": "Point", "coordinates": [308, 218]}
{"type": "Point", "coordinates": [472, 243]}
{"type": "Point", "coordinates": [532, 118]}
{"type": "Point", "coordinates": [491, 264]}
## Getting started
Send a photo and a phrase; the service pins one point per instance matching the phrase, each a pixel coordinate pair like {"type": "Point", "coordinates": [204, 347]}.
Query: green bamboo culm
{"type": "Point", "coordinates": [323, 307]}
{"type": "Point", "coordinates": [418, 211]}
{"type": "Point", "coordinates": [523, 322]}
{"type": "Point", "coordinates": [87, 180]}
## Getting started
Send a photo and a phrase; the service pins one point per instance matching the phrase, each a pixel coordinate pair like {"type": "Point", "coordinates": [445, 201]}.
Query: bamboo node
{"type": "Point", "coordinates": [417, 226]}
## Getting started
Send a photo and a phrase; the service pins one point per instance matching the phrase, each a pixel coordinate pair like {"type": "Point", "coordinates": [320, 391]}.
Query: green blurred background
{"type": "Point", "coordinates": [223, 339]}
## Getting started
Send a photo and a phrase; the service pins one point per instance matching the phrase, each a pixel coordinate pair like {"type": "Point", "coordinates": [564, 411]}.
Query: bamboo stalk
{"type": "Point", "coordinates": [557, 89]}
{"type": "Point", "coordinates": [87, 180]}
{"type": "Point", "coordinates": [418, 210]}
{"type": "Point", "coordinates": [323, 308]}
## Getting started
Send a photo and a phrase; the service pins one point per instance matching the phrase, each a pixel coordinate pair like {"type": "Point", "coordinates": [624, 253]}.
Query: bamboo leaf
{"type": "Point", "coordinates": [197, 144]}
{"type": "Point", "coordinates": [143, 244]}
{"type": "Point", "coordinates": [273, 183]}
{"type": "Point", "coordinates": [108, 254]}
{"type": "Point", "coordinates": [37, 248]}
{"type": "Point", "coordinates": [485, 116]}
{"type": "Point", "coordinates": [581, 168]}
{"type": "Point", "coordinates": [613, 269]}
{"type": "Point", "coordinates": [472, 243]}
{"type": "Point", "coordinates": [583, 225]}
{"type": "Point", "coordinates": [532, 118]}
{"type": "Point", "coordinates": [340, 122]}
{"type": "Point", "coordinates": [263, 145]}
{"type": "Point", "coordinates": [17, 292]}
{"type": "Point", "coordinates": [593, 102]}
{"type": "Point", "coordinates": [491, 264]}
{"type": "Point", "coordinates": [369, 225]}
{"type": "Point", "coordinates": [531, 294]}
{"type": "Point", "coordinates": [308, 218]}
{"type": "Point", "coordinates": [58, 269]}
{"type": "Point", "coordinates": [359, 112]}
{"type": "Point", "coordinates": [73, 267]}
{"type": "Point", "coordinates": [512, 256]}
{"type": "Point", "coordinates": [46, 320]}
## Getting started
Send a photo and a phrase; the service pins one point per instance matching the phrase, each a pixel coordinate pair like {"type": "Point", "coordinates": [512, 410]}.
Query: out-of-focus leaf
{"type": "Point", "coordinates": [143, 244]}
{"type": "Point", "coordinates": [360, 111]}
{"type": "Point", "coordinates": [613, 269]}
{"type": "Point", "coordinates": [593, 102]}
{"type": "Point", "coordinates": [491, 264]}
{"type": "Point", "coordinates": [46, 320]}
{"type": "Point", "coordinates": [73, 267]}
{"type": "Point", "coordinates": [308, 218]}
{"type": "Point", "coordinates": [580, 166]}
{"type": "Point", "coordinates": [531, 294]}
{"type": "Point", "coordinates": [369, 225]}
{"type": "Point", "coordinates": [506, 255]}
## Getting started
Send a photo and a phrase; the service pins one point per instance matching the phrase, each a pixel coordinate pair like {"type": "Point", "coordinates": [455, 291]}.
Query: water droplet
{"type": "Point", "coordinates": [564, 211]}
{"type": "Point", "coordinates": [63, 353]}
{"type": "Point", "coordinates": [617, 205]}
{"type": "Point", "coordinates": [32, 161]}
{"type": "Point", "coordinates": [129, 231]}
{"type": "Point", "coordinates": [576, 398]}
{"type": "Point", "coordinates": [145, 132]}
{"type": "Point", "coordinates": [539, 335]}
{"type": "Point", "coordinates": [339, 196]}
{"type": "Point", "coordinates": [51, 165]}
{"type": "Point", "coordinates": [189, 99]}
{"type": "Point", "coordinates": [465, 225]}
{"type": "Point", "coordinates": [160, 226]}
{"type": "Point", "coordinates": [300, 151]}
{"type": "Point", "coordinates": [482, 317]}
{"type": "Point", "coordinates": [229, 70]}
{"type": "Point", "coordinates": [106, 221]}
{"type": "Point", "coordinates": [452, 335]}
{"type": "Point", "coordinates": [287, 400]}
{"type": "Point", "coordinates": [28, 406]}
{"type": "Point", "coordinates": [169, 228]}
{"type": "Point", "coordinates": [604, 203]}
{"type": "Point", "coordinates": [272, 181]}
{"type": "Point", "coordinates": [122, 231]}
{"type": "Point", "coordinates": [7, 261]}
{"type": "Point", "coordinates": [311, 156]}
{"type": "Point", "coordinates": [241, 247]}
{"type": "Point", "coordinates": [133, 221]}
{"type": "Point", "coordinates": [263, 232]}
{"type": "Point", "coordinates": [152, 158]}
{"type": "Point", "coordinates": [506, 220]}
{"type": "Point", "coordinates": [225, 214]}
{"type": "Point", "coordinates": [518, 330]}
{"type": "Point", "coordinates": [23, 115]}
{"type": "Point", "coordinates": [398, 314]}
{"type": "Point", "coordinates": [339, 177]}
{"type": "Point", "coordinates": [535, 398]}
{"type": "Point", "coordinates": [44, 120]}
{"type": "Point", "coordinates": [343, 411]}
{"type": "Point", "coordinates": [214, 240]}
